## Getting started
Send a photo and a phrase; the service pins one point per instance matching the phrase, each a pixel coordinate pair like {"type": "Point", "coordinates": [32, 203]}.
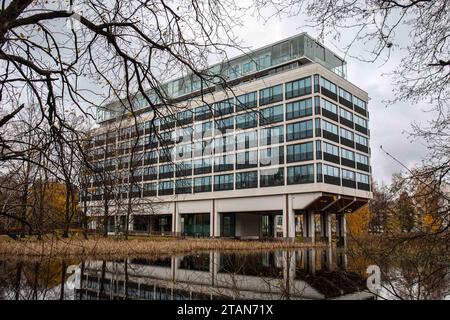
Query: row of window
{"type": "Point", "coordinates": [296, 88]}
{"type": "Point", "coordinates": [268, 136]}
{"type": "Point", "coordinates": [253, 179]}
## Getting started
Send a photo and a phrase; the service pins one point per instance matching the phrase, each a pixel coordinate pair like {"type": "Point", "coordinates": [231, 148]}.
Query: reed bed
{"type": "Point", "coordinates": [107, 247]}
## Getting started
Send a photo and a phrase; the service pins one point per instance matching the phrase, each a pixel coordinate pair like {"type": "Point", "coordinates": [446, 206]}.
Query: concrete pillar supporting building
{"type": "Point", "coordinates": [325, 227]}
{"type": "Point", "coordinates": [176, 219]}
{"type": "Point", "coordinates": [288, 218]}
{"type": "Point", "coordinates": [215, 220]}
{"type": "Point", "coordinates": [327, 258]}
{"type": "Point", "coordinates": [308, 227]}
{"type": "Point", "coordinates": [130, 223]}
{"type": "Point", "coordinates": [341, 230]}
{"type": "Point", "coordinates": [289, 270]}
{"type": "Point", "coordinates": [310, 260]}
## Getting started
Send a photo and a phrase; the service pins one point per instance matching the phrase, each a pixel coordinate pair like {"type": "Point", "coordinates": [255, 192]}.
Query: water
{"type": "Point", "coordinates": [310, 273]}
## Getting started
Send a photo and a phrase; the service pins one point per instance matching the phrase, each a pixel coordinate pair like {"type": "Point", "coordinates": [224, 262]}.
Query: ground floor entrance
{"type": "Point", "coordinates": [196, 225]}
{"type": "Point", "coordinates": [152, 223]}
{"type": "Point", "coordinates": [254, 225]}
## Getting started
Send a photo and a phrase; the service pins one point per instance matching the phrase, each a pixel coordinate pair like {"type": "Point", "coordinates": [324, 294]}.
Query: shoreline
{"type": "Point", "coordinates": [101, 247]}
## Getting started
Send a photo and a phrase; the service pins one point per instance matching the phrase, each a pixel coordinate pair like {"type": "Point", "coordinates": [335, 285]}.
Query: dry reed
{"type": "Point", "coordinates": [106, 247]}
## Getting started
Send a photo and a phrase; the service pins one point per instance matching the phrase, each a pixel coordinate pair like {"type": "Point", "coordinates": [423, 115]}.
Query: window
{"type": "Point", "coordinates": [150, 173]}
{"type": "Point", "coordinates": [299, 130]}
{"type": "Point", "coordinates": [348, 175]}
{"type": "Point", "coordinates": [328, 126]}
{"type": "Point", "coordinates": [167, 122]}
{"type": "Point", "coordinates": [202, 184]}
{"type": "Point", "coordinates": [246, 120]}
{"type": "Point", "coordinates": [271, 177]}
{"type": "Point", "coordinates": [270, 95]}
{"type": "Point", "coordinates": [248, 159]}
{"type": "Point", "coordinates": [246, 180]}
{"type": "Point", "coordinates": [362, 178]}
{"type": "Point", "coordinates": [224, 144]}
{"type": "Point", "coordinates": [223, 163]}
{"type": "Point", "coordinates": [150, 157]}
{"type": "Point", "coordinates": [298, 109]}
{"type": "Point", "coordinates": [300, 174]}
{"type": "Point", "coordinates": [346, 134]}
{"type": "Point", "coordinates": [331, 149]}
{"type": "Point", "coordinates": [361, 140]}
{"type": "Point", "coordinates": [246, 140]}
{"type": "Point", "coordinates": [151, 141]}
{"type": "Point", "coordinates": [346, 114]}
{"type": "Point", "coordinates": [137, 174]}
{"type": "Point", "coordinates": [184, 151]}
{"type": "Point", "coordinates": [345, 94]}
{"type": "Point", "coordinates": [202, 166]}
{"type": "Point", "coordinates": [271, 114]}
{"type": "Point", "coordinates": [150, 189]}
{"type": "Point", "coordinates": [298, 88]}
{"type": "Point", "coordinates": [223, 182]}
{"type": "Point", "coordinates": [184, 117]}
{"type": "Point", "coordinates": [359, 103]}
{"type": "Point", "coordinates": [223, 107]}
{"type": "Point", "coordinates": [263, 62]}
{"type": "Point", "coordinates": [300, 152]}
{"type": "Point", "coordinates": [271, 156]}
{"type": "Point", "coordinates": [203, 148]}
{"type": "Point", "coordinates": [166, 154]}
{"type": "Point", "coordinates": [330, 171]}
{"type": "Point", "coordinates": [166, 171]}
{"type": "Point", "coordinates": [234, 71]}
{"type": "Point", "coordinates": [360, 121]}
{"type": "Point", "coordinates": [165, 187]}
{"type": "Point", "coordinates": [184, 169]}
{"type": "Point", "coordinates": [272, 135]}
{"type": "Point", "coordinates": [362, 159]}
{"type": "Point", "coordinates": [225, 124]}
{"type": "Point", "coordinates": [347, 154]}
{"type": "Point", "coordinates": [328, 85]}
{"type": "Point", "coordinates": [167, 137]}
{"type": "Point", "coordinates": [203, 130]}
{"type": "Point", "coordinates": [248, 67]}
{"type": "Point", "coordinates": [183, 186]}
{"type": "Point", "coordinates": [203, 112]}
{"type": "Point", "coordinates": [246, 101]}
{"type": "Point", "coordinates": [327, 105]}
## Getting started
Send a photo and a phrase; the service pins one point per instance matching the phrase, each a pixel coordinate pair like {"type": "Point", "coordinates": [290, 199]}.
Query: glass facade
{"type": "Point", "coordinates": [212, 147]}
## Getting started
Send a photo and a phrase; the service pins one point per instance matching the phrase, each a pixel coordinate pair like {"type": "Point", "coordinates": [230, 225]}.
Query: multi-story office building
{"type": "Point", "coordinates": [282, 151]}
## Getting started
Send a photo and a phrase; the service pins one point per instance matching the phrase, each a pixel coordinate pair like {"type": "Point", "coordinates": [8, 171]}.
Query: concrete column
{"type": "Point", "coordinates": [176, 218]}
{"type": "Point", "coordinates": [130, 222]}
{"type": "Point", "coordinates": [341, 230]}
{"type": "Point", "coordinates": [214, 269]}
{"type": "Point", "coordinates": [289, 268]}
{"type": "Point", "coordinates": [341, 258]}
{"type": "Point", "coordinates": [310, 260]}
{"type": "Point", "coordinates": [325, 227]}
{"type": "Point", "coordinates": [288, 218]}
{"type": "Point", "coordinates": [327, 258]}
{"type": "Point", "coordinates": [308, 227]}
{"type": "Point", "coordinates": [214, 221]}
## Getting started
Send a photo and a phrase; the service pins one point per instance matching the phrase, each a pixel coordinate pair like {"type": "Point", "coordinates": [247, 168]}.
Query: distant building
{"type": "Point", "coordinates": [290, 139]}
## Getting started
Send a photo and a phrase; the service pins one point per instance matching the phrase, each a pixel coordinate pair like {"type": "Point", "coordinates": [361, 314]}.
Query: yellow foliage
{"type": "Point", "coordinates": [358, 221]}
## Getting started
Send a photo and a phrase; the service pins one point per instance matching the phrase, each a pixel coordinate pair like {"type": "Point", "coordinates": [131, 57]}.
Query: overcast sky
{"type": "Point", "coordinates": [389, 126]}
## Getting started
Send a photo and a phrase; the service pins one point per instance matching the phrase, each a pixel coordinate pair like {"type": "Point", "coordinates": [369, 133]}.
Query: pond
{"type": "Point", "coordinates": [307, 273]}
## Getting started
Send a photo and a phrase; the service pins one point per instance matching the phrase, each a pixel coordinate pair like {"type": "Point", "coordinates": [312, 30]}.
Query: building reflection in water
{"type": "Point", "coordinates": [309, 273]}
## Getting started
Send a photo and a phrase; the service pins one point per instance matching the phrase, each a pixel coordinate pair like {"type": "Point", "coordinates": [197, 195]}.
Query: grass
{"type": "Point", "coordinates": [137, 246]}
